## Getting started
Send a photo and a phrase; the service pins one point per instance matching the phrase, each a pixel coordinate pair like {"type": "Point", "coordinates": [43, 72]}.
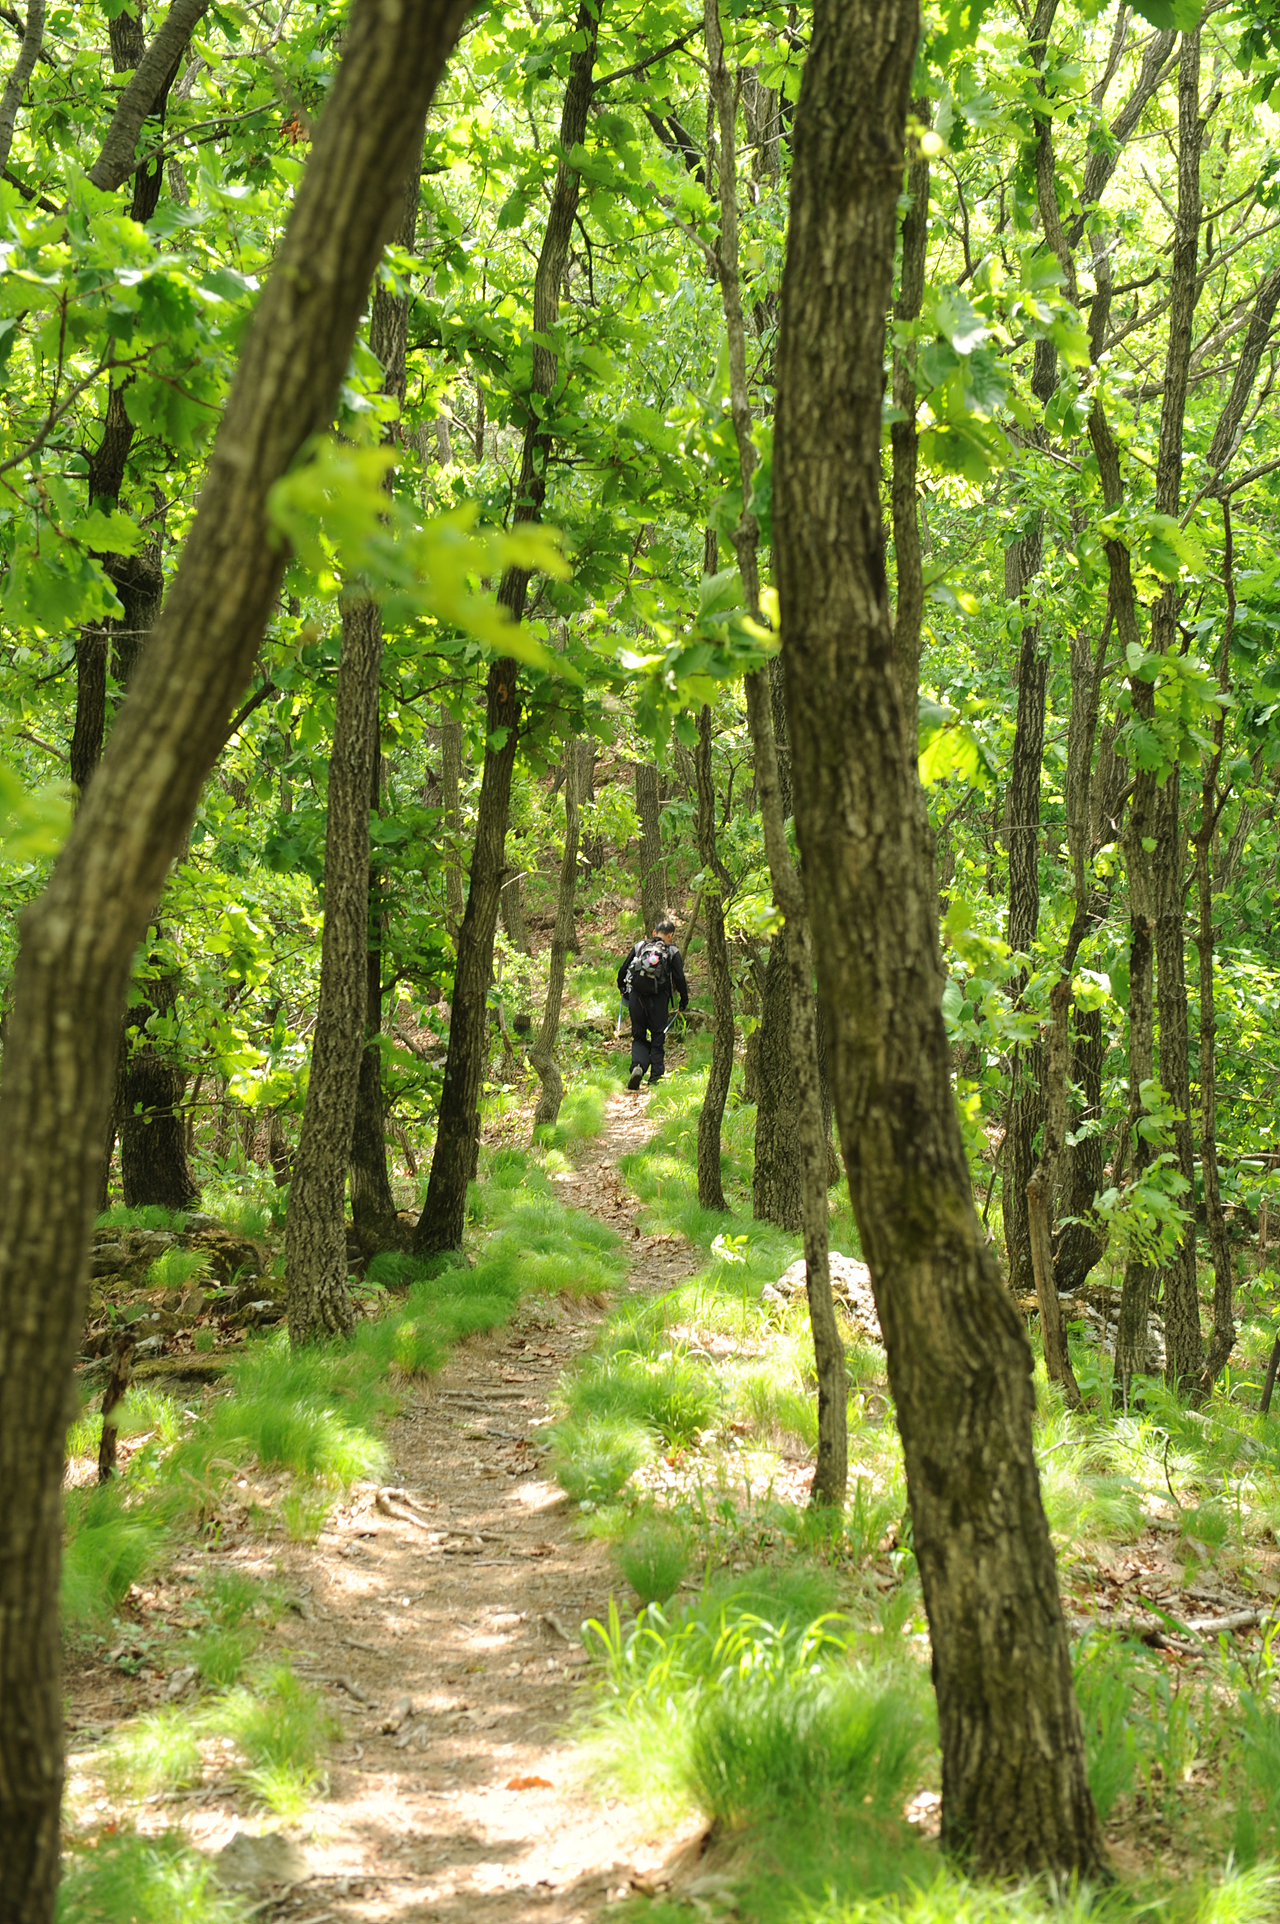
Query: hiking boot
{"type": "Point", "coordinates": [636, 1078]}
{"type": "Point", "coordinates": [654, 1081]}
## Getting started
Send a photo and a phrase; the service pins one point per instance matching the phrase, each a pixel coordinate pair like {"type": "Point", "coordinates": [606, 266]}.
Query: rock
{"type": "Point", "coordinates": [232, 1258]}
{"type": "Point", "coordinates": [248, 1862]}
{"type": "Point", "coordinates": [257, 1315]}
{"type": "Point", "coordinates": [191, 1306]}
{"type": "Point", "coordinates": [107, 1258]}
{"type": "Point", "coordinates": [850, 1284]}
{"type": "Point", "coordinates": [254, 1289]}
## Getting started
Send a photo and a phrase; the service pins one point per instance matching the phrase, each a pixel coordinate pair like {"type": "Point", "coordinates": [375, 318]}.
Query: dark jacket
{"type": "Point", "coordinates": [676, 978]}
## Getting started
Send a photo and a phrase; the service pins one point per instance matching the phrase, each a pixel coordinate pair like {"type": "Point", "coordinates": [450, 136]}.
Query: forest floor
{"type": "Point", "coordinates": [443, 1623]}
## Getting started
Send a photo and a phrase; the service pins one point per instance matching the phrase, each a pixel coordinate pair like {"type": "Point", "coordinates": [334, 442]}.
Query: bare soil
{"type": "Point", "coordinates": [441, 1613]}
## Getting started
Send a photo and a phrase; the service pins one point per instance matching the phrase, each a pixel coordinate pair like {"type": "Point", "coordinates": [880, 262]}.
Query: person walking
{"type": "Point", "coordinates": [646, 980]}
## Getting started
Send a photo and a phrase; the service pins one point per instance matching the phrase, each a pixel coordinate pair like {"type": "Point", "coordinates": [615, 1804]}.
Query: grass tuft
{"type": "Point", "coordinates": [109, 1547]}
{"type": "Point", "coordinates": [122, 1878]}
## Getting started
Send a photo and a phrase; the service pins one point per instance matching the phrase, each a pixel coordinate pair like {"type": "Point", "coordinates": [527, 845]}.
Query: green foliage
{"type": "Point", "coordinates": [178, 1267]}
{"type": "Point", "coordinates": [595, 1457]}
{"type": "Point", "coordinates": [146, 1216]}
{"type": "Point", "coordinates": [281, 1726]}
{"type": "Point", "coordinates": [654, 1559]}
{"type": "Point", "coordinates": [110, 1545]}
{"type": "Point", "coordinates": [123, 1878]}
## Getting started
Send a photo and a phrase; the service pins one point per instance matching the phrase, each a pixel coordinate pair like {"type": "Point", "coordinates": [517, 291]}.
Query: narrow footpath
{"type": "Point", "coordinates": [441, 1611]}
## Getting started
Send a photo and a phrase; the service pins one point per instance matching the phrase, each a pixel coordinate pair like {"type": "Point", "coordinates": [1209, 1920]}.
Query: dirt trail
{"type": "Point", "coordinates": [449, 1644]}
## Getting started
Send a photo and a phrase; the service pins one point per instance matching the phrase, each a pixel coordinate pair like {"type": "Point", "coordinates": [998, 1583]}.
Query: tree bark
{"type": "Point", "coordinates": [79, 938]}
{"type": "Point", "coordinates": [1223, 1337]}
{"type": "Point", "coordinates": [153, 1138]}
{"type": "Point", "coordinates": [908, 613]}
{"type": "Point", "coordinates": [1042, 1191]}
{"type": "Point", "coordinates": [373, 1206]}
{"type": "Point", "coordinates": [1015, 1791]}
{"type": "Point", "coordinates": [23, 68]}
{"type": "Point", "coordinates": [652, 878]}
{"type": "Point", "coordinates": [543, 1053]}
{"type": "Point", "coordinates": [715, 888]}
{"type": "Point", "coordinates": [514, 920]}
{"type": "Point", "coordinates": [457, 1147]}
{"type": "Point", "coordinates": [1184, 1344]}
{"type": "Point", "coordinates": [798, 1050]}
{"type": "Point", "coordinates": [450, 782]}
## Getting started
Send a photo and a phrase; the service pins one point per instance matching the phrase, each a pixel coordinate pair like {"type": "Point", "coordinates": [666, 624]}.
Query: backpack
{"type": "Point", "coordinates": [650, 970]}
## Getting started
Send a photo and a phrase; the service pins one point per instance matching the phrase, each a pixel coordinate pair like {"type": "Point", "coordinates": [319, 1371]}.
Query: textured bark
{"type": "Point", "coordinates": [112, 1397]}
{"type": "Point", "coordinates": [651, 876]}
{"type": "Point", "coordinates": [796, 1054]}
{"type": "Point", "coordinates": [908, 612]}
{"type": "Point", "coordinates": [1078, 1246]}
{"type": "Point", "coordinates": [373, 1206]}
{"type": "Point", "coordinates": [1184, 1344]}
{"type": "Point", "coordinates": [1042, 1191]}
{"type": "Point", "coordinates": [23, 68]}
{"type": "Point", "coordinates": [1015, 1792]}
{"type": "Point", "coordinates": [515, 922]}
{"type": "Point", "coordinates": [1222, 1339]}
{"type": "Point", "coordinates": [450, 781]}
{"type": "Point", "coordinates": [711, 1114]}
{"type": "Point", "coordinates": [1024, 1111]}
{"type": "Point", "coordinates": [543, 1053]}
{"type": "Point", "coordinates": [153, 1137]}
{"type": "Point", "coordinates": [457, 1147]}
{"type": "Point", "coordinates": [153, 75]}
{"type": "Point", "coordinates": [315, 1238]}
{"type": "Point", "coordinates": [776, 1184]}
{"type": "Point", "coordinates": [79, 938]}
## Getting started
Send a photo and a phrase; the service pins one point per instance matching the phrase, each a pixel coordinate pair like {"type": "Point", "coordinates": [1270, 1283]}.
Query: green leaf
{"type": "Point", "coordinates": [1171, 16]}
{"type": "Point", "coordinates": [33, 822]}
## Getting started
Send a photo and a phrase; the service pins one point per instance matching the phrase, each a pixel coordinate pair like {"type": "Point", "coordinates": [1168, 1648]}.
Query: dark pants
{"type": "Point", "coordinates": [648, 1026]}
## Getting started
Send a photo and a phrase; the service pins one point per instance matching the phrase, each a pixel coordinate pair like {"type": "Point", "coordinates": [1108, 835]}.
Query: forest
{"type": "Point", "coordinates": [639, 866]}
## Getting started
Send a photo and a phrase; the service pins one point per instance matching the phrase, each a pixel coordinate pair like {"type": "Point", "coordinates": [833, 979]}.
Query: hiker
{"type": "Point", "coordinates": [645, 982]}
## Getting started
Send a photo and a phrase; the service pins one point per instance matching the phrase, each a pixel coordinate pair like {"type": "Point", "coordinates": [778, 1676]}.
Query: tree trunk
{"type": "Point", "coordinates": [315, 1237]}
{"type": "Point", "coordinates": [153, 1138]}
{"type": "Point", "coordinates": [652, 877]}
{"type": "Point", "coordinates": [1025, 1109]}
{"type": "Point", "coordinates": [798, 1052]}
{"type": "Point", "coordinates": [1042, 1191]}
{"type": "Point", "coordinates": [715, 889]}
{"type": "Point", "coordinates": [373, 1206]}
{"type": "Point", "coordinates": [1222, 1340]}
{"type": "Point", "coordinates": [79, 938]}
{"type": "Point", "coordinates": [1078, 1246]}
{"type": "Point", "coordinates": [457, 1148]}
{"type": "Point", "coordinates": [776, 1195]}
{"type": "Point", "coordinates": [543, 1053]}
{"type": "Point", "coordinates": [908, 612]}
{"type": "Point", "coordinates": [1015, 1791]}
{"type": "Point", "coordinates": [24, 67]}
{"type": "Point", "coordinates": [514, 920]}
{"type": "Point", "coordinates": [450, 780]}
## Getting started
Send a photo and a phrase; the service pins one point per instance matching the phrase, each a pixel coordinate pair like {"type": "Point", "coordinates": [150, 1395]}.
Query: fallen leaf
{"type": "Point", "coordinates": [530, 1783]}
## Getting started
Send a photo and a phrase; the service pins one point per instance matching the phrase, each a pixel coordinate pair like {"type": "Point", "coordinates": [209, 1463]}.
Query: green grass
{"type": "Point", "coordinates": [281, 1727]}
{"type": "Point", "coordinates": [110, 1546]}
{"type": "Point", "coordinates": [159, 1752]}
{"type": "Point", "coordinates": [148, 1216]}
{"type": "Point", "coordinates": [178, 1267]}
{"type": "Point", "coordinates": [654, 1558]}
{"type": "Point", "coordinates": [122, 1878]}
{"type": "Point", "coordinates": [144, 1409]}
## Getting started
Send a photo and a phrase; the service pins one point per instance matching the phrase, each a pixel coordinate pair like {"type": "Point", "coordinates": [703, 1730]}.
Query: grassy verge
{"type": "Point", "coordinates": [768, 1668]}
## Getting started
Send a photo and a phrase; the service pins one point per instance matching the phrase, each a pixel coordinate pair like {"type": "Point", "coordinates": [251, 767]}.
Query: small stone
{"type": "Point", "coordinates": [248, 1861]}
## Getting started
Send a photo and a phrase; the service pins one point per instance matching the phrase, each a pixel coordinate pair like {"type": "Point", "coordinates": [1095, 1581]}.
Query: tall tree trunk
{"type": "Point", "coordinates": [1184, 1344]}
{"type": "Point", "coordinates": [373, 1206]}
{"type": "Point", "coordinates": [543, 1053]}
{"type": "Point", "coordinates": [79, 937]}
{"type": "Point", "coordinates": [715, 888]}
{"type": "Point", "coordinates": [450, 782]}
{"type": "Point", "coordinates": [1222, 1340]}
{"type": "Point", "coordinates": [652, 877]}
{"type": "Point", "coordinates": [457, 1148]}
{"type": "Point", "coordinates": [315, 1238]}
{"type": "Point", "coordinates": [908, 612]}
{"type": "Point", "coordinates": [1015, 1791]}
{"type": "Point", "coordinates": [795, 956]}
{"type": "Point", "coordinates": [1078, 1246]}
{"type": "Point", "coordinates": [1024, 1111]}
{"type": "Point", "coordinates": [514, 920]}
{"type": "Point", "coordinates": [1042, 1192]}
